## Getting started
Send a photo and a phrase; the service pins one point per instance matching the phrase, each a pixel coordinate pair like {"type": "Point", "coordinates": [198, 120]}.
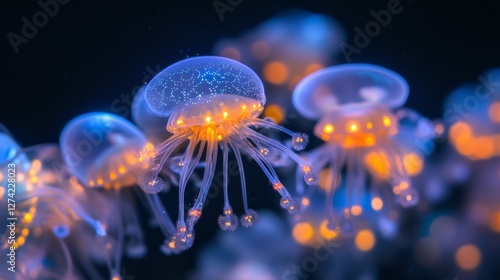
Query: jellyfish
{"type": "Point", "coordinates": [452, 244]}
{"type": "Point", "coordinates": [283, 50]}
{"type": "Point", "coordinates": [42, 210]}
{"type": "Point", "coordinates": [354, 104]}
{"type": "Point", "coordinates": [214, 102]}
{"type": "Point", "coordinates": [101, 151]}
{"type": "Point", "coordinates": [472, 113]}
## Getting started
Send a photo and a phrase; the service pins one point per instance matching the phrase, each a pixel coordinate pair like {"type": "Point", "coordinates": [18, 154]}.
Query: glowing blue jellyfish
{"type": "Point", "coordinates": [104, 151]}
{"type": "Point", "coordinates": [354, 106]}
{"type": "Point", "coordinates": [212, 102]}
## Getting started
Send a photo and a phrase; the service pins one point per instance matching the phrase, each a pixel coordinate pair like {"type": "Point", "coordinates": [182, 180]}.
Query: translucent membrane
{"type": "Point", "coordinates": [150, 124]}
{"type": "Point", "coordinates": [328, 89]}
{"type": "Point", "coordinates": [101, 148]}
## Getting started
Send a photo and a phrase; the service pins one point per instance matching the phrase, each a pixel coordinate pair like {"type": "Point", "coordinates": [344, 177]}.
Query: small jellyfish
{"type": "Point", "coordinates": [214, 102]}
{"type": "Point", "coordinates": [472, 113]}
{"type": "Point", "coordinates": [354, 106]}
{"type": "Point", "coordinates": [103, 151]}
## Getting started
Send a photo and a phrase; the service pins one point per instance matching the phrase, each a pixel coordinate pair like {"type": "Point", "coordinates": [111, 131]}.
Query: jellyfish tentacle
{"type": "Point", "coordinates": [266, 168]}
{"type": "Point", "coordinates": [275, 144]}
{"type": "Point", "coordinates": [135, 246]}
{"type": "Point", "coordinates": [355, 178]}
{"type": "Point", "coordinates": [318, 158]}
{"type": "Point", "coordinates": [186, 171]}
{"type": "Point", "coordinates": [242, 177]}
{"type": "Point", "coordinates": [166, 224]}
{"type": "Point", "coordinates": [212, 151]}
{"type": "Point", "coordinates": [287, 202]}
{"type": "Point", "coordinates": [228, 221]}
{"type": "Point", "coordinates": [148, 177]}
{"type": "Point", "coordinates": [335, 168]}
{"type": "Point", "coordinates": [119, 221]}
{"type": "Point", "coordinates": [309, 175]}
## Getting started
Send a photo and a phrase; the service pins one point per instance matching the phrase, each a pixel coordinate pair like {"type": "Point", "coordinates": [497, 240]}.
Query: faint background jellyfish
{"type": "Point", "coordinates": [103, 151]}
{"type": "Point", "coordinates": [354, 104]}
{"type": "Point", "coordinates": [368, 242]}
{"type": "Point", "coordinates": [11, 158]}
{"type": "Point", "coordinates": [63, 215]}
{"type": "Point", "coordinates": [213, 102]}
{"type": "Point", "coordinates": [44, 213]}
{"type": "Point", "coordinates": [483, 195]}
{"type": "Point", "coordinates": [153, 126]}
{"type": "Point", "coordinates": [311, 226]}
{"type": "Point", "coordinates": [263, 252]}
{"type": "Point", "coordinates": [283, 50]}
{"type": "Point", "coordinates": [472, 113]}
{"type": "Point", "coordinates": [453, 244]}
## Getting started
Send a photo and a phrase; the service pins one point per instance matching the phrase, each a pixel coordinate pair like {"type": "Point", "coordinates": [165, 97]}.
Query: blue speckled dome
{"type": "Point", "coordinates": [198, 79]}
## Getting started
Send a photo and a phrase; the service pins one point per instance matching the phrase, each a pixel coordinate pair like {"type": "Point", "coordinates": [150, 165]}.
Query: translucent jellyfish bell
{"type": "Point", "coordinates": [101, 149]}
{"type": "Point", "coordinates": [202, 80]}
{"type": "Point", "coordinates": [214, 102]}
{"type": "Point", "coordinates": [149, 123]}
{"type": "Point", "coordinates": [328, 89]}
{"type": "Point", "coordinates": [107, 151]}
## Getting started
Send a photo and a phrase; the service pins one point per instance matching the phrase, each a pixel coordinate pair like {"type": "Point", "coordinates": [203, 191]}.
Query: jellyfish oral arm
{"type": "Point", "coordinates": [161, 215]}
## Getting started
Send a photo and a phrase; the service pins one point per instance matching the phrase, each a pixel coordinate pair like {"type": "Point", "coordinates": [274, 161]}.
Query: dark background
{"type": "Point", "coordinates": [93, 52]}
